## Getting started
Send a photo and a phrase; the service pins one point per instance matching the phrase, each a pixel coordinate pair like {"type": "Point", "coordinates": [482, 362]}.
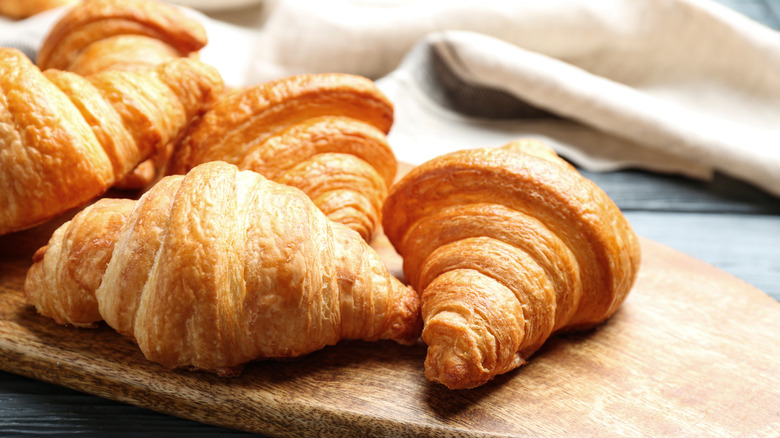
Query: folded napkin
{"type": "Point", "coordinates": [681, 86]}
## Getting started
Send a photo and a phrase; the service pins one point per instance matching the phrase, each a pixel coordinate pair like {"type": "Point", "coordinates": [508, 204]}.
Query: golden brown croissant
{"type": "Point", "coordinates": [322, 133]}
{"type": "Point", "coordinates": [128, 35]}
{"type": "Point", "coordinates": [506, 246]}
{"type": "Point", "coordinates": [66, 139]}
{"type": "Point", "coordinates": [25, 8]}
{"type": "Point", "coordinates": [217, 268]}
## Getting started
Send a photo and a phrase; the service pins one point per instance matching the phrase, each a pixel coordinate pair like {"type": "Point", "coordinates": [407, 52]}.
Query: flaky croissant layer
{"type": "Point", "coordinates": [217, 268]}
{"type": "Point", "coordinates": [122, 35]}
{"type": "Point", "coordinates": [507, 246]}
{"type": "Point", "coordinates": [65, 139]}
{"type": "Point", "coordinates": [322, 133]}
{"type": "Point", "coordinates": [128, 35]}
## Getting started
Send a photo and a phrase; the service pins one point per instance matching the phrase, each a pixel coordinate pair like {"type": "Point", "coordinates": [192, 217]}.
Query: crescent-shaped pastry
{"type": "Point", "coordinates": [65, 139]}
{"type": "Point", "coordinates": [506, 246]}
{"type": "Point", "coordinates": [125, 35]}
{"type": "Point", "coordinates": [217, 268]}
{"type": "Point", "coordinates": [322, 133]}
{"type": "Point", "coordinates": [128, 35]}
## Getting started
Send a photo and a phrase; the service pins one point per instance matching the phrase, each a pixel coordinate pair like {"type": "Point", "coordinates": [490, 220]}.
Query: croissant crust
{"type": "Point", "coordinates": [126, 35]}
{"type": "Point", "coordinates": [322, 133]}
{"type": "Point", "coordinates": [506, 246]}
{"type": "Point", "coordinates": [98, 35]}
{"type": "Point", "coordinates": [217, 268]}
{"type": "Point", "coordinates": [67, 138]}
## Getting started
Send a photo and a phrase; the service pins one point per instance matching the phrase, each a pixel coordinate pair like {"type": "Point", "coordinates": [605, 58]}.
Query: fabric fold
{"type": "Point", "coordinates": [428, 122]}
{"type": "Point", "coordinates": [680, 86]}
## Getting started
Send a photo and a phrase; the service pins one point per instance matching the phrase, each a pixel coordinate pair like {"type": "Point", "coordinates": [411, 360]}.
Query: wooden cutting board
{"type": "Point", "coordinates": [692, 352]}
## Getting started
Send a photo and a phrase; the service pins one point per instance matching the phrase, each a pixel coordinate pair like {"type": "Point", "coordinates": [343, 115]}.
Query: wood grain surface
{"type": "Point", "coordinates": [692, 352]}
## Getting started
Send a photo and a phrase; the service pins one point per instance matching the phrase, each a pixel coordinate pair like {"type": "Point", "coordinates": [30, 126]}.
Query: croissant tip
{"type": "Point", "coordinates": [454, 373]}
{"type": "Point", "coordinates": [406, 326]}
{"type": "Point", "coordinates": [39, 254]}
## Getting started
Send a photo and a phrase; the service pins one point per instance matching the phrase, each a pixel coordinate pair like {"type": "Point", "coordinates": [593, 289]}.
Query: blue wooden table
{"type": "Point", "coordinates": [724, 222]}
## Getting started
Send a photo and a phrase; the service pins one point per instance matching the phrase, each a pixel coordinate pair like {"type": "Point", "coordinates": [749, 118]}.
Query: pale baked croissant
{"type": "Point", "coordinates": [126, 35]}
{"type": "Point", "coordinates": [66, 139]}
{"type": "Point", "coordinates": [26, 8]}
{"type": "Point", "coordinates": [506, 247]}
{"type": "Point", "coordinates": [322, 133]}
{"type": "Point", "coordinates": [217, 268]}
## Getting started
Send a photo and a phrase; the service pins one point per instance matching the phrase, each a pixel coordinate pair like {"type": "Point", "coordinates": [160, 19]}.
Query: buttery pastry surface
{"type": "Point", "coordinates": [98, 35]}
{"type": "Point", "coordinates": [65, 138]}
{"type": "Point", "coordinates": [506, 246]}
{"type": "Point", "coordinates": [217, 268]}
{"type": "Point", "coordinates": [126, 35]}
{"type": "Point", "coordinates": [322, 133]}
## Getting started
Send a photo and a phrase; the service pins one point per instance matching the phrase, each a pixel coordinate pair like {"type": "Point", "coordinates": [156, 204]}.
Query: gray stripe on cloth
{"type": "Point", "coordinates": [450, 91]}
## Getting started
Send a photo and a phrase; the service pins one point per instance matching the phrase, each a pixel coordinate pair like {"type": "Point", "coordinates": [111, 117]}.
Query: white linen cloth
{"type": "Point", "coordinates": [681, 86]}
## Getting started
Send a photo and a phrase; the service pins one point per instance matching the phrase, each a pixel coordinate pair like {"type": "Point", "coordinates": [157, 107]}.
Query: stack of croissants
{"type": "Point", "coordinates": [251, 236]}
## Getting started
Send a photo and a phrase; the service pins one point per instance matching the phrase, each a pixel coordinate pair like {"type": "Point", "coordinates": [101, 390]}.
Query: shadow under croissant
{"type": "Point", "coordinates": [22, 244]}
{"type": "Point", "coordinates": [107, 364]}
{"type": "Point", "coordinates": [571, 347]}
{"type": "Point", "coordinates": [102, 344]}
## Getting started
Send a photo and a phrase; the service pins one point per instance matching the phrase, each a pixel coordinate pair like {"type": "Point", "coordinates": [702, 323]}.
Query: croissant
{"type": "Point", "coordinates": [126, 35]}
{"type": "Point", "coordinates": [506, 246]}
{"type": "Point", "coordinates": [65, 138]}
{"type": "Point", "coordinates": [217, 268]}
{"type": "Point", "coordinates": [17, 9]}
{"type": "Point", "coordinates": [322, 133]}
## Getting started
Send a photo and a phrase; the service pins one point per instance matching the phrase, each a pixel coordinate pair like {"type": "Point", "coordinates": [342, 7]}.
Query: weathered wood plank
{"type": "Point", "coordinates": [641, 370]}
